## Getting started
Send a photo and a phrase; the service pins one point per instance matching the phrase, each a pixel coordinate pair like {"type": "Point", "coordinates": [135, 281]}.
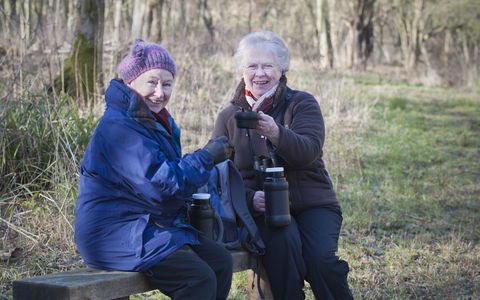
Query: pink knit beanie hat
{"type": "Point", "coordinates": [145, 56]}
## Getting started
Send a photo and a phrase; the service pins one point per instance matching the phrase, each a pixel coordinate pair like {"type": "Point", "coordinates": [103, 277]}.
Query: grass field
{"type": "Point", "coordinates": [405, 161]}
{"type": "Point", "coordinates": [412, 211]}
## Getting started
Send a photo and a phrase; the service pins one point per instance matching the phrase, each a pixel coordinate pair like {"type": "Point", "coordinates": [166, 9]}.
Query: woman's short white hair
{"type": "Point", "coordinates": [263, 40]}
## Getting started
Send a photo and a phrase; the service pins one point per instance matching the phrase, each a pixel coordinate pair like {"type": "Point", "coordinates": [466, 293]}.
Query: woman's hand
{"type": "Point", "coordinates": [266, 126]}
{"type": "Point", "coordinates": [259, 201]}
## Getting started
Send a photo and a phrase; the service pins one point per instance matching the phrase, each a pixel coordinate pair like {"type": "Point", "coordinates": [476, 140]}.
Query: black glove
{"type": "Point", "coordinates": [221, 148]}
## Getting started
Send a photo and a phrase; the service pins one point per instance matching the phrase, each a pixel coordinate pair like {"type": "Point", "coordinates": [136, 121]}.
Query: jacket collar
{"type": "Point", "coordinates": [119, 95]}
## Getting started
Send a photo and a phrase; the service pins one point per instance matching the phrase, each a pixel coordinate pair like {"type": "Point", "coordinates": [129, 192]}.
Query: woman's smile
{"type": "Point", "coordinates": [156, 101]}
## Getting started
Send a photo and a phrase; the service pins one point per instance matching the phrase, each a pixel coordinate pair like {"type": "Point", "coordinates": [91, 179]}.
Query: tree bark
{"type": "Point", "coordinates": [468, 76]}
{"type": "Point", "coordinates": [25, 20]}
{"type": "Point", "coordinates": [148, 19]}
{"type": "Point", "coordinates": [334, 32]}
{"type": "Point", "coordinates": [410, 20]}
{"type": "Point", "coordinates": [83, 75]}
{"type": "Point", "coordinates": [157, 22]}
{"type": "Point", "coordinates": [117, 21]}
{"type": "Point", "coordinates": [447, 40]}
{"type": "Point", "coordinates": [39, 12]}
{"type": "Point", "coordinates": [139, 8]}
{"type": "Point", "coordinates": [207, 19]}
{"type": "Point", "coordinates": [475, 63]}
{"type": "Point", "coordinates": [323, 47]}
{"type": "Point", "coordinates": [182, 16]}
{"type": "Point", "coordinates": [361, 27]}
{"type": "Point", "coordinates": [13, 22]}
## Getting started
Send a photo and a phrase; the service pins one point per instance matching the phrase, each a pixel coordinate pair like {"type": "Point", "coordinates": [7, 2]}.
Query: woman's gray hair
{"type": "Point", "coordinates": [263, 40]}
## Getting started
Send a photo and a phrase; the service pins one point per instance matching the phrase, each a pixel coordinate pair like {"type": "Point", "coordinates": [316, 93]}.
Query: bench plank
{"type": "Point", "coordinates": [87, 283]}
{"type": "Point", "coordinates": [95, 284]}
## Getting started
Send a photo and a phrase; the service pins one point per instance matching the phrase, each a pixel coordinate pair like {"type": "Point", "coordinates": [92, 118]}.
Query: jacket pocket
{"type": "Point", "coordinates": [133, 237]}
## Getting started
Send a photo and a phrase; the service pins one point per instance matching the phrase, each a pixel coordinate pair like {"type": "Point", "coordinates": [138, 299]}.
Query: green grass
{"type": "Point", "coordinates": [412, 215]}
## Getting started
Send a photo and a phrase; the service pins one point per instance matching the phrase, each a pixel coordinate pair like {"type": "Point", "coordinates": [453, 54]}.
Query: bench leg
{"type": "Point", "coordinates": [252, 294]}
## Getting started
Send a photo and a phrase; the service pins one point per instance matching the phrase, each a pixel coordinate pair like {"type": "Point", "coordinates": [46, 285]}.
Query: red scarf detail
{"type": "Point", "coordinates": [249, 96]}
{"type": "Point", "coordinates": [162, 118]}
{"type": "Point", "coordinates": [266, 104]}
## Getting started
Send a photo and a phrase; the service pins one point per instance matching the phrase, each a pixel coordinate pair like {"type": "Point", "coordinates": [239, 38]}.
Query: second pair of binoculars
{"type": "Point", "coordinates": [269, 176]}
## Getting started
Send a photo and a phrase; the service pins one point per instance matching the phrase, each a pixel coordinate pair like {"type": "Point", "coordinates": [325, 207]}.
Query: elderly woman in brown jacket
{"type": "Point", "coordinates": [290, 127]}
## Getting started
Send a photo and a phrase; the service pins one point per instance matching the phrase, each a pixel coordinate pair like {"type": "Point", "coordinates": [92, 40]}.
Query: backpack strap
{"type": "Point", "coordinates": [237, 196]}
{"type": "Point", "coordinates": [250, 238]}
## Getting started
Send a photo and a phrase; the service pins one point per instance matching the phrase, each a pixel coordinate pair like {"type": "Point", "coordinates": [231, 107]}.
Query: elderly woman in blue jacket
{"type": "Point", "coordinates": [131, 212]}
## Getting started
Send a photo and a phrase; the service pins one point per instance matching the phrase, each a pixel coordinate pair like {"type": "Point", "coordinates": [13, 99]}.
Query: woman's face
{"type": "Point", "coordinates": [155, 86]}
{"type": "Point", "coordinates": [260, 72]}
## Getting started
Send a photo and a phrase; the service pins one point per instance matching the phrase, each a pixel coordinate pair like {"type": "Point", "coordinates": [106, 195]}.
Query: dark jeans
{"type": "Point", "coordinates": [305, 250]}
{"type": "Point", "coordinates": [194, 272]}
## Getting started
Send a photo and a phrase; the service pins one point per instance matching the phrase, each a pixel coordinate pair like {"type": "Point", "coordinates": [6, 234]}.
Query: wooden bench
{"type": "Point", "coordinates": [95, 284]}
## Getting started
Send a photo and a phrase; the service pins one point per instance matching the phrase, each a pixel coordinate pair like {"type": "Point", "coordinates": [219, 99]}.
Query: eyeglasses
{"type": "Point", "coordinates": [252, 68]}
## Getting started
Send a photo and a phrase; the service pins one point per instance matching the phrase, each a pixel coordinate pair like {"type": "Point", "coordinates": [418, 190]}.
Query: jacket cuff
{"type": "Point", "coordinates": [206, 154]}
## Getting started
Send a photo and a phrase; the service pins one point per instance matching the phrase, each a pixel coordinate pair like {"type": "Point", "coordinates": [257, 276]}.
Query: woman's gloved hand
{"type": "Point", "coordinates": [221, 148]}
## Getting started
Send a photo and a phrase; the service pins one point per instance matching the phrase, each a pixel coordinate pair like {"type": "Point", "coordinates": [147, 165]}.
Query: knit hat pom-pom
{"type": "Point", "coordinates": [138, 51]}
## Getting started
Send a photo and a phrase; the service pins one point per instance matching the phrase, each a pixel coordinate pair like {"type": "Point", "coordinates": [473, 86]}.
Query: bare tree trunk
{"type": "Point", "coordinates": [250, 13]}
{"type": "Point", "coordinates": [38, 9]}
{"type": "Point", "coordinates": [467, 76]}
{"type": "Point", "coordinates": [446, 48]}
{"type": "Point", "coordinates": [1, 15]}
{"type": "Point", "coordinates": [475, 63]}
{"type": "Point", "coordinates": [13, 22]}
{"type": "Point", "coordinates": [66, 10]}
{"type": "Point", "coordinates": [411, 29]}
{"type": "Point", "coordinates": [321, 23]}
{"type": "Point", "coordinates": [117, 20]}
{"type": "Point", "coordinates": [157, 22]}
{"type": "Point", "coordinates": [207, 19]}
{"type": "Point", "coordinates": [23, 20]}
{"type": "Point", "coordinates": [362, 32]}
{"type": "Point", "coordinates": [83, 74]}
{"type": "Point", "coordinates": [56, 18]}
{"type": "Point", "coordinates": [416, 37]}
{"type": "Point", "coordinates": [182, 16]}
{"type": "Point", "coordinates": [139, 8]}
{"type": "Point", "coordinates": [432, 77]}
{"type": "Point", "coordinates": [148, 19]}
{"type": "Point", "coordinates": [349, 46]}
{"type": "Point", "coordinates": [313, 14]}
{"type": "Point", "coordinates": [334, 19]}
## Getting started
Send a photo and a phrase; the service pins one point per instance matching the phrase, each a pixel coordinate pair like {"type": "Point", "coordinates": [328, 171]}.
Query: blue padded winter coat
{"type": "Point", "coordinates": [133, 186]}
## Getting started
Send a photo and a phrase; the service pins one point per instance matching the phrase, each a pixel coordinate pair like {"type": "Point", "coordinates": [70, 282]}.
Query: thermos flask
{"type": "Point", "coordinates": [202, 216]}
{"type": "Point", "coordinates": [277, 206]}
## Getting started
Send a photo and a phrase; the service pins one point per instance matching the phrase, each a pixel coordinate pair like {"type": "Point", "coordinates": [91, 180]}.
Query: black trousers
{"type": "Point", "coordinates": [194, 272]}
{"type": "Point", "coordinates": [306, 250]}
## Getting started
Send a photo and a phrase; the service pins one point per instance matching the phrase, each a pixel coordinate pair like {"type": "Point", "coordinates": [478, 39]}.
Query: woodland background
{"type": "Point", "coordinates": [434, 41]}
{"type": "Point", "coordinates": [397, 81]}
